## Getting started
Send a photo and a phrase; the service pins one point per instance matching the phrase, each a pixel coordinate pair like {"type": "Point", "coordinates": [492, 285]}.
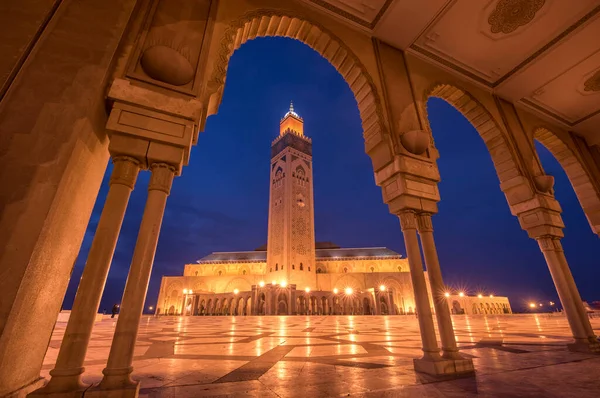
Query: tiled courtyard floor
{"type": "Point", "coordinates": [357, 356]}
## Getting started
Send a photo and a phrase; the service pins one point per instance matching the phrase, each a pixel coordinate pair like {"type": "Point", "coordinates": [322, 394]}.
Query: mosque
{"type": "Point", "coordinates": [292, 274]}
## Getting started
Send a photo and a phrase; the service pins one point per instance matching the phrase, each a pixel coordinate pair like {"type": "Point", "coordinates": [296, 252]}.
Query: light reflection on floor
{"type": "Point", "coordinates": [515, 355]}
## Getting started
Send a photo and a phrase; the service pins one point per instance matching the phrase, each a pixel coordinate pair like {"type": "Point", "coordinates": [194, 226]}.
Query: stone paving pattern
{"type": "Point", "coordinates": [358, 356]}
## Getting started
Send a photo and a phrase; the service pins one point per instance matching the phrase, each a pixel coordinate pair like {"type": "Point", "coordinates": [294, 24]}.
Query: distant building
{"type": "Point", "coordinates": [292, 274]}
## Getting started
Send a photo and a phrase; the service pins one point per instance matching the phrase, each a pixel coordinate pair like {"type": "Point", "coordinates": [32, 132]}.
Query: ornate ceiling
{"type": "Point", "coordinates": [543, 55]}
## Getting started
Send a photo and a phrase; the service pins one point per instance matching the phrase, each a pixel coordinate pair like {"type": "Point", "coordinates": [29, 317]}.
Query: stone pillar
{"type": "Point", "coordinates": [442, 312]}
{"type": "Point", "coordinates": [408, 222]}
{"type": "Point", "coordinates": [585, 339]}
{"type": "Point", "coordinates": [117, 380]}
{"type": "Point", "coordinates": [66, 375]}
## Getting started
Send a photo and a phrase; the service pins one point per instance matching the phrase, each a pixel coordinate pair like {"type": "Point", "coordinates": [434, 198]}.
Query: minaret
{"type": "Point", "coordinates": [291, 239]}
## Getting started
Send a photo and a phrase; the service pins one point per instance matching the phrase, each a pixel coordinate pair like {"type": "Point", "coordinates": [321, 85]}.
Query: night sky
{"type": "Point", "coordinates": [220, 203]}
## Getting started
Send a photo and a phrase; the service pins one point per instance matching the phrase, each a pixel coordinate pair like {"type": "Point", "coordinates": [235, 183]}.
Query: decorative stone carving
{"type": "Point", "coordinates": [544, 183]}
{"type": "Point", "coordinates": [162, 177]}
{"type": "Point", "coordinates": [125, 172]}
{"type": "Point", "coordinates": [408, 220]}
{"type": "Point", "coordinates": [415, 141]}
{"type": "Point", "coordinates": [509, 15]}
{"type": "Point", "coordinates": [167, 65]}
{"type": "Point", "coordinates": [593, 83]}
{"type": "Point", "coordinates": [424, 223]}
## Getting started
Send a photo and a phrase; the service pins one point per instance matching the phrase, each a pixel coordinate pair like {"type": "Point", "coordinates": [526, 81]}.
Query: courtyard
{"type": "Point", "coordinates": [358, 356]}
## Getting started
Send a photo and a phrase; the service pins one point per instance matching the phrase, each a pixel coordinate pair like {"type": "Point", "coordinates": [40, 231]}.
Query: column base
{"type": "Point", "coordinates": [42, 393]}
{"type": "Point", "coordinates": [444, 367]}
{"type": "Point", "coordinates": [127, 391]}
{"type": "Point", "coordinates": [585, 346]}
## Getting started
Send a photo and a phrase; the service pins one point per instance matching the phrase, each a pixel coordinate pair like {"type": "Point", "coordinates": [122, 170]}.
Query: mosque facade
{"type": "Point", "coordinates": [292, 274]}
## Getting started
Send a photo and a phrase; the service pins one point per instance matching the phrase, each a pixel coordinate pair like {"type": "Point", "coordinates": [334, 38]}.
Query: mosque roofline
{"type": "Point", "coordinates": [332, 252]}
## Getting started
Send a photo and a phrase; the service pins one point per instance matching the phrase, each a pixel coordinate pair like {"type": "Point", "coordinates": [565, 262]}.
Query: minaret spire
{"type": "Point", "coordinates": [291, 106]}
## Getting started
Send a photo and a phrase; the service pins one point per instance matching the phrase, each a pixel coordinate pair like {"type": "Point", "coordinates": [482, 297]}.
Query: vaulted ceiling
{"type": "Point", "coordinates": [543, 55]}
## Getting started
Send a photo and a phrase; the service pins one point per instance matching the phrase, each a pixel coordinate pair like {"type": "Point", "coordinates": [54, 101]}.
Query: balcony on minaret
{"type": "Point", "coordinates": [291, 124]}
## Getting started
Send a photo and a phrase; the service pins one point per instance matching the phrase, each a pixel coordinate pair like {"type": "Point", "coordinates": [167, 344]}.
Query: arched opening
{"type": "Point", "coordinates": [282, 304]}
{"type": "Point", "coordinates": [473, 208]}
{"type": "Point", "coordinates": [366, 306]}
{"type": "Point", "coordinates": [579, 201]}
{"type": "Point", "coordinates": [457, 308]}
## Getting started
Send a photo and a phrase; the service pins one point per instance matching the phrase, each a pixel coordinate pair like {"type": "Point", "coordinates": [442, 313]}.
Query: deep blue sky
{"type": "Point", "coordinates": [220, 202]}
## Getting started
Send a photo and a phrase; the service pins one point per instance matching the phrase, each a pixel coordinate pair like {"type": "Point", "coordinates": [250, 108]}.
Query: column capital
{"type": "Point", "coordinates": [162, 177]}
{"type": "Point", "coordinates": [550, 243]}
{"type": "Point", "coordinates": [424, 223]}
{"type": "Point", "coordinates": [126, 169]}
{"type": "Point", "coordinates": [408, 220]}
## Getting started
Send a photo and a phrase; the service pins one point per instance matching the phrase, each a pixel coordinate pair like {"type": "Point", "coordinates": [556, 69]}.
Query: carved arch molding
{"type": "Point", "coordinates": [584, 188]}
{"type": "Point", "coordinates": [279, 23]}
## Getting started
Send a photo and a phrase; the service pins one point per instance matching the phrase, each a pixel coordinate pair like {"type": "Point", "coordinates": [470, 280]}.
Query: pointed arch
{"type": "Point", "coordinates": [270, 22]}
{"type": "Point", "coordinates": [501, 152]}
{"type": "Point", "coordinates": [584, 187]}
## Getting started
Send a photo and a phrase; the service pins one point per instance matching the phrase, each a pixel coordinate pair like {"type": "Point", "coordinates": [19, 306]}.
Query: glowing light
{"type": "Point", "coordinates": [283, 284]}
{"type": "Point", "coordinates": [348, 291]}
{"type": "Point", "coordinates": [382, 288]}
{"type": "Point", "coordinates": [461, 294]}
{"type": "Point", "coordinates": [447, 294]}
{"type": "Point", "coordinates": [235, 291]}
{"type": "Point", "coordinates": [532, 305]}
{"type": "Point", "coordinates": [541, 304]}
{"type": "Point", "coordinates": [261, 283]}
{"type": "Point", "coordinates": [552, 303]}
{"type": "Point", "coordinates": [479, 296]}
{"type": "Point", "coordinates": [184, 291]}
{"type": "Point", "coordinates": [150, 308]}
{"type": "Point", "coordinates": [335, 290]}
{"type": "Point", "coordinates": [491, 296]}
{"type": "Point", "coordinates": [307, 289]}
{"type": "Point", "coordinates": [190, 291]}
{"type": "Point", "coordinates": [274, 283]}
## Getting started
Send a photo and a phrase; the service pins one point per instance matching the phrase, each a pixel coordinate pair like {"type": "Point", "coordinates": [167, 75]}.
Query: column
{"type": "Point", "coordinates": [118, 370]}
{"type": "Point", "coordinates": [549, 249]}
{"type": "Point", "coordinates": [66, 375]}
{"type": "Point", "coordinates": [442, 312]}
{"type": "Point", "coordinates": [576, 296]}
{"type": "Point", "coordinates": [568, 293]}
{"type": "Point", "coordinates": [408, 222]}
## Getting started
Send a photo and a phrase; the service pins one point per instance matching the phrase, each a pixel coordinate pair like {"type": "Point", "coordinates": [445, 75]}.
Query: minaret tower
{"type": "Point", "coordinates": [291, 239]}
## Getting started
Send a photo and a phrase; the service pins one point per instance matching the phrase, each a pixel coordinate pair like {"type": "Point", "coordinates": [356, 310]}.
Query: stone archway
{"type": "Point", "coordinates": [280, 23]}
{"type": "Point", "coordinates": [502, 154]}
{"type": "Point", "coordinates": [584, 187]}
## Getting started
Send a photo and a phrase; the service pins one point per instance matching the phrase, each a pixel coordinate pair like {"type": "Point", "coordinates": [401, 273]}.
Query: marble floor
{"type": "Point", "coordinates": [330, 356]}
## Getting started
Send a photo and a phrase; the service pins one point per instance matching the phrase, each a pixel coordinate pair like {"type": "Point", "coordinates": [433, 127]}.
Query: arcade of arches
{"type": "Point", "coordinates": [133, 81]}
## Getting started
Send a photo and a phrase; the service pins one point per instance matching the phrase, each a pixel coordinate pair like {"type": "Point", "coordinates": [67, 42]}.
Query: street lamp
{"type": "Point", "coordinates": [274, 283]}
{"type": "Point", "coordinates": [307, 289]}
{"type": "Point", "coordinates": [461, 294]}
{"type": "Point", "coordinates": [531, 305]}
{"type": "Point", "coordinates": [491, 296]}
{"type": "Point", "coordinates": [150, 308]}
{"type": "Point", "coordinates": [447, 294]}
{"type": "Point", "coordinates": [236, 291]}
{"type": "Point", "coordinates": [348, 291]}
{"type": "Point", "coordinates": [283, 284]}
{"type": "Point", "coordinates": [184, 291]}
{"type": "Point", "coordinates": [382, 288]}
{"type": "Point", "coordinates": [335, 290]}
{"type": "Point", "coordinates": [261, 283]}
{"type": "Point", "coordinates": [480, 296]}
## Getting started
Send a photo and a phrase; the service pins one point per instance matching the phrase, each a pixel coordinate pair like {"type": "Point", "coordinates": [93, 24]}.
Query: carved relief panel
{"type": "Point", "coordinates": [169, 50]}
